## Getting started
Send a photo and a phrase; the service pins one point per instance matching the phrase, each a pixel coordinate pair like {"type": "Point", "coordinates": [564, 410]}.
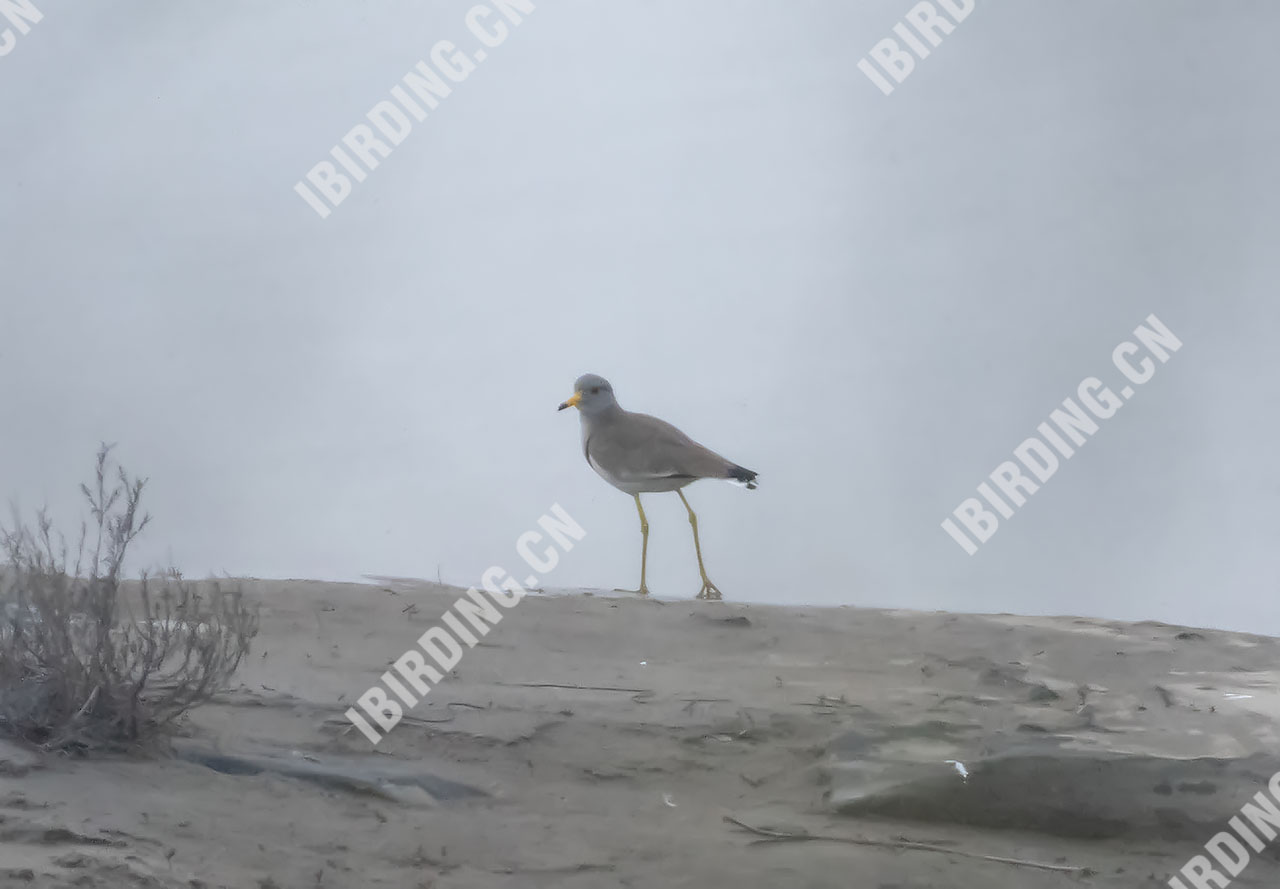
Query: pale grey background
{"type": "Point", "coordinates": [870, 300]}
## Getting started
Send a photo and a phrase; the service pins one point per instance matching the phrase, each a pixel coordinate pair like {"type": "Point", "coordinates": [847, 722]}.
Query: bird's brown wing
{"type": "Point", "coordinates": [639, 447]}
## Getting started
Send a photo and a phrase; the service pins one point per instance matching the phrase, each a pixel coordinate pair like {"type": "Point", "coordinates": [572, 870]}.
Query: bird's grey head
{"type": "Point", "coordinates": [591, 395]}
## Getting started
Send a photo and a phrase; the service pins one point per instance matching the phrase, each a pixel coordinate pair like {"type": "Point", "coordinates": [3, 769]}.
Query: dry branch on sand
{"type": "Point", "coordinates": [90, 660]}
{"type": "Point", "coordinates": [769, 835]}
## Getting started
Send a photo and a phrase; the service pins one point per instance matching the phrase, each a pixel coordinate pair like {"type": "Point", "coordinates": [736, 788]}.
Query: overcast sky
{"type": "Point", "coordinates": [871, 300]}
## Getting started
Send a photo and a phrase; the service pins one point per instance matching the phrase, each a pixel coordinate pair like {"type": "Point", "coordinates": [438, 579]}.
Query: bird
{"type": "Point", "coordinates": [640, 454]}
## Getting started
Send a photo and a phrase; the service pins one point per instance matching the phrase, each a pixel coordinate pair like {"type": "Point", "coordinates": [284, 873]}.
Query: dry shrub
{"type": "Point", "coordinates": [90, 660]}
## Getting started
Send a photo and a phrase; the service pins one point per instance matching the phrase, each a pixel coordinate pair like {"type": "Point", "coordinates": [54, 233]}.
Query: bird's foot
{"type": "Point", "coordinates": [709, 591]}
{"type": "Point", "coordinates": [643, 591]}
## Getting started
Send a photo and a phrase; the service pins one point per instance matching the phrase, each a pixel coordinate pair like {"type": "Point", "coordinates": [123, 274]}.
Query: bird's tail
{"type": "Point", "coordinates": [742, 476]}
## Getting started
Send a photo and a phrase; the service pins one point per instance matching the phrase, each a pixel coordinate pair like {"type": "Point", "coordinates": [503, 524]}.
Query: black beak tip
{"type": "Point", "coordinates": [563, 405]}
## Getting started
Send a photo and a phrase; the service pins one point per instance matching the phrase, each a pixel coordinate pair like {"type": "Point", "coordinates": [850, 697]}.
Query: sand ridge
{"type": "Point", "coordinates": [607, 738]}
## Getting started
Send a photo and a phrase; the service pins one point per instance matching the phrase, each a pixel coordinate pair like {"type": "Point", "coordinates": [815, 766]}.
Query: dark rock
{"type": "Point", "coordinates": [1037, 781]}
{"type": "Point", "coordinates": [1043, 693]}
{"type": "Point", "coordinates": [352, 774]}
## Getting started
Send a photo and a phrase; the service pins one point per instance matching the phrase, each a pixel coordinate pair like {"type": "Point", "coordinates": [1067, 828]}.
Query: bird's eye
{"type": "Point", "coordinates": [595, 390]}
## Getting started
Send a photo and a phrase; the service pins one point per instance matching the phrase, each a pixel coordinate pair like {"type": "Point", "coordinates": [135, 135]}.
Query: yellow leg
{"type": "Point", "coordinates": [709, 590]}
{"type": "Point", "coordinates": [644, 546]}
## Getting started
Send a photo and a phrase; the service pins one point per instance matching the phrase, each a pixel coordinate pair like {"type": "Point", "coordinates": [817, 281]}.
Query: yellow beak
{"type": "Point", "coordinates": [572, 402]}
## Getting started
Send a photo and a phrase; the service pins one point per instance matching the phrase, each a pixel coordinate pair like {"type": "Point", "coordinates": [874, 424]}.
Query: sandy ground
{"type": "Point", "coordinates": [612, 736]}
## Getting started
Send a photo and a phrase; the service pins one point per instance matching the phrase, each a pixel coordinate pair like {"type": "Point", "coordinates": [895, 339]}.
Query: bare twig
{"type": "Point", "coordinates": [778, 836]}
{"type": "Point", "coordinates": [88, 705]}
{"type": "Point", "coordinates": [575, 687]}
{"type": "Point", "coordinates": [88, 659]}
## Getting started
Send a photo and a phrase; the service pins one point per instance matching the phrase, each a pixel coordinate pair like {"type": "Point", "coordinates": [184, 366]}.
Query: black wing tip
{"type": "Point", "coordinates": [744, 475]}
